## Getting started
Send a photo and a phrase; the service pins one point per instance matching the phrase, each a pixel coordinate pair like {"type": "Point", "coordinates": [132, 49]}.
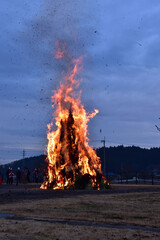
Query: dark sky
{"type": "Point", "coordinates": [121, 41]}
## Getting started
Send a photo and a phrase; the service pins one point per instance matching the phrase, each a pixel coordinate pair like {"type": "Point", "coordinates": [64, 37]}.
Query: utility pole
{"type": "Point", "coordinates": [104, 161]}
{"type": "Point", "coordinates": [24, 153]}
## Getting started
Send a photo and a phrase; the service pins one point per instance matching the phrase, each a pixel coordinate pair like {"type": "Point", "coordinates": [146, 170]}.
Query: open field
{"type": "Point", "coordinates": [125, 212]}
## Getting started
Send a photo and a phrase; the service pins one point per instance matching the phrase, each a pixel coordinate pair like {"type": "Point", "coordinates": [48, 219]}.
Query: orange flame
{"type": "Point", "coordinates": [69, 153]}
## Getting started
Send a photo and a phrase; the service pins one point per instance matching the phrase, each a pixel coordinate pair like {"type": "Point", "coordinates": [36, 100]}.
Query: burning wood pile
{"type": "Point", "coordinates": [72, 163]}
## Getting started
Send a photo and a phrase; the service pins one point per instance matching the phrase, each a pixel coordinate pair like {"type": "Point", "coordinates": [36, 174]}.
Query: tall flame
{"type": "Point", "coordinates": [68, 153]}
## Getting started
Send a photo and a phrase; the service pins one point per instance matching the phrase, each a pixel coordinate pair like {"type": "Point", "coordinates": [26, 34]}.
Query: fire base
{"type": "Point", "coordinates": [85, 181]}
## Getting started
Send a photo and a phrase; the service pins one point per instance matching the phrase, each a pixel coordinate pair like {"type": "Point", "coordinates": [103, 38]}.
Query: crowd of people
{"type": "Point", "coordinates": [24, 176]}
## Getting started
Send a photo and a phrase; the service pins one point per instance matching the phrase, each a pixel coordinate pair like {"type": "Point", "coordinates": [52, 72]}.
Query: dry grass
{"type": "Point", "coordinates": [31, 230]}
{"type": "Point", "coordinates": [133, 208]}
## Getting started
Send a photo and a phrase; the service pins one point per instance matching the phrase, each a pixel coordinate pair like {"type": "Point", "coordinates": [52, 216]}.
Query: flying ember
{"type": "Point", "coordinates": [72, 163]}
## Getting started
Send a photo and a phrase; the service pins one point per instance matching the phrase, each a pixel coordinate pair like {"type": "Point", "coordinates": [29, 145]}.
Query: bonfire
{"type": "Point", "coordinates": [72, 163]}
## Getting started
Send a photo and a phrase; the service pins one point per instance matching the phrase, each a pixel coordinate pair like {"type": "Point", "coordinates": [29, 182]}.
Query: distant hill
{"type": "Point", "coordinates": [30, 163]}
{"type": "Point", "coordinates": [133, 159]}
{"type": "Point", "coordinates": [118, 159]}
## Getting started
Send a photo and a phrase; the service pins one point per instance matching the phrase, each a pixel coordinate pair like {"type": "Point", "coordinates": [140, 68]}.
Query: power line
{"type": "Point", "coordinates": [125, 144]}
{"type": "Point", "coordinates": [104, 161]}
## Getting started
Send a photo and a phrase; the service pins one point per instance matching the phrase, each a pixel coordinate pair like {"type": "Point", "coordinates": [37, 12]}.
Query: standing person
{"type": "Point", "coordinates": [7, 175]}
{"type": "Point", "coordinates": [35, 175]}
{"type": "Point", "coordinates": [11, 174]}
{"type": "Point", "coordinates": [45, 173]}
{"type": "Point", "coordinates": [28, 175]}
{"type": "Point", "coordinates": [18, 176]}
{"type": "Point", "coordinates": [0, 178]}
{"type": "Point", "coordinates": [25, 172]}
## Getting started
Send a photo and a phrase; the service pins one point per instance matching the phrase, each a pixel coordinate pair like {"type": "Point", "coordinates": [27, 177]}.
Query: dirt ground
{"type": "Point", "coordinates": [125, 212]}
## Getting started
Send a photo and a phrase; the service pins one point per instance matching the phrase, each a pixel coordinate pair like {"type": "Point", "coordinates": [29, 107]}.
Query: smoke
{"type": "Point", "coordinates": [71, 21]}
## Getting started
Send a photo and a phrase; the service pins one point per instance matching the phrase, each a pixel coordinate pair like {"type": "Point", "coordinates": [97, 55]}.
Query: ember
{"type": "Point", "coordinates": [72, 163]}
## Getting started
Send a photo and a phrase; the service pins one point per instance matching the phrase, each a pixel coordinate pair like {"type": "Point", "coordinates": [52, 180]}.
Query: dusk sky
{"type": "Point", "coordinates": [121, 73]}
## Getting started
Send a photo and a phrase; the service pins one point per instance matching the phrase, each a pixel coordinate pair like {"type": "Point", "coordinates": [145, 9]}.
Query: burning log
{"type": "Point", "coordinates": [72, 163]}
